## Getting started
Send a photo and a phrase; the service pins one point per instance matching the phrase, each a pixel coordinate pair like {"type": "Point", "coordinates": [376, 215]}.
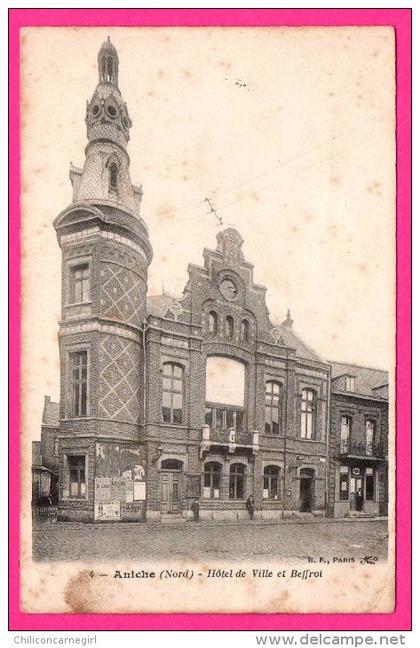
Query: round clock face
{"type": "Point", "coordinates": [229, 289]}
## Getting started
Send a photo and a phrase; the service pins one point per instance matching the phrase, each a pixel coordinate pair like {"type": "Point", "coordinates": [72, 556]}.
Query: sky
{"type": "Point", "coordinates": [290, 133]}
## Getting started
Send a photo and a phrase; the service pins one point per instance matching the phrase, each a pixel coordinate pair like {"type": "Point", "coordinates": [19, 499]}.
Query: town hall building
{"type": "Point", "coordinates": [166, 400]}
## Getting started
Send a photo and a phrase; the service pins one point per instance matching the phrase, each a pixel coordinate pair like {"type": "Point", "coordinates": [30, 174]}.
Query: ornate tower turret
{"type": "Point", "coordinates": [108, 63]}
{"type": "Point", "coordinates": [106, 170]}
{"type": "Point", "coordinates": [105, 257]}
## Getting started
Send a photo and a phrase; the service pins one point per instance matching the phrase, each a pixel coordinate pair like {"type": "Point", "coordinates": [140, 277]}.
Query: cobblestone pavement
{"type": "Point", "coordinates": [239, 541]}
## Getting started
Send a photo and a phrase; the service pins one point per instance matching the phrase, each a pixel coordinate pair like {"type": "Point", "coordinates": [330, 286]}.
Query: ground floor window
{"type": "Point", "coordinates": [370, 484]}
{"type": "Point", "coordinates": [271, 485]}
{"type": "Point", "coordinates": [344, 483]}
{"type": "Point", "coordinates": [237, 481]}
{"type": "Point", "coordinates": [77, 475]}
{"type": "Point", "coordinates": [360, 485]}
{"type": "Point", "coordinates": [212, 471]}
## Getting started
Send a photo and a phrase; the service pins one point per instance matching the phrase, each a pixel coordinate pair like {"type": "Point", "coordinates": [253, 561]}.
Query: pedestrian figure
{"type": "Point", "coordinates": [250, 506]}
{"type": "Point", "coordinates": [359, 500]}
{"type": "Point", "coordinates": [195, 507]}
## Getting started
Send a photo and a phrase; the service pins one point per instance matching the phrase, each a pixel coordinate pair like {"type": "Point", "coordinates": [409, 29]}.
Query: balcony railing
{"type": "Point", "coordinates": [364, 450]}
{"type": "Point", "coordinates": [239, 437]}
{"type": "Point", "coordinates": [230, 438]}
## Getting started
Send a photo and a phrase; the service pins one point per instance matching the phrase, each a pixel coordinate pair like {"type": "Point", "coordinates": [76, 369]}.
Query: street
{"type": "Point", "coordinates": [204, 540]}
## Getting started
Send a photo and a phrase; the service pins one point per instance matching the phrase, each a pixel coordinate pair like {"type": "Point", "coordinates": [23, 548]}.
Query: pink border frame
{"type": "Point", "coordinates": [400, 19]}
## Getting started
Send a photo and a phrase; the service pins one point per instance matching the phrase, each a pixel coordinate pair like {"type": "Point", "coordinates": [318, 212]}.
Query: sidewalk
{"type": "Point", "coordinates": [180, 523]}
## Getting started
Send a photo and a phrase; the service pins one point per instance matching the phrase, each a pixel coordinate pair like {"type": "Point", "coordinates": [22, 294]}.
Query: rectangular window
{"type": "Point", "coordinates": [370, 437]}
{"type": "Point", "coordinates": [212, 480]}
{"type": "Point", "coordinates": [55, 446]}
{"type": "Point", "coordinates": [239, 421]}
{"type": "Point", "coordinates": [307, 418]}
{"type": "Point", "coordinates": [172, 393]}
{"type": "Point", "coordinates": [273, 399]}
{"type": "Point", "coordinates": [350, 380]}
{"type": "Point", "coordinates": [166, 407]}
{"type": "Point", "coordinates": [370, 484]}
{"type": "Point", "coordinates": [78, 380]}
{"type": "Point", "coordinates": [275, 421]}
{"type": "Point", "coordinates": [345, 433]}
{"type": "Point", "coordinates": [344, 483]}
{"type": "Point", "coordinates": [177, 411]}
{"type": "Point", "coordinates": [271, 482]}
{"type": "Point", "coordinates": [267, 426]}
{"type": "Point", "coordinates": [230, 423]}
{"type": "Point", "coordinates": [79, 284]}
{"type": "Point", "coordinates": [208, 417]}
{"type": "Point", "coordinates": [77, 475]}
{"type": "Point", "coordinates": [221, 418]}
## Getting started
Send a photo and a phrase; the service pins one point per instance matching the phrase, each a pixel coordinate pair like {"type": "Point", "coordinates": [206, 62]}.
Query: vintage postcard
{"type": "Point", "coordinates": [208, 319]}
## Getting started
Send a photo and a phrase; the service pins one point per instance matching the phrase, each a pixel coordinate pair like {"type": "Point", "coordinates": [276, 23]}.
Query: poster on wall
{"type": "Point", "coordinates": [107, 511]}
{"type": "Point", "coordinates": [139, 472]}
{"type": "Point", "coordinates": [129, 491]}
{"type": "Point", "coordinates": [103, 489]}
{"type": "Point", "coordinates": [139, 491]}
{"type": "Point", "coordinates": [116, 465]}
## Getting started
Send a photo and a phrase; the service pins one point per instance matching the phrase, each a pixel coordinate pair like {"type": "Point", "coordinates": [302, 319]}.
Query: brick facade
{"type": "Point", "coordinates": [147, 424]}
{"type": "Point", "coordinates": [356, 455]}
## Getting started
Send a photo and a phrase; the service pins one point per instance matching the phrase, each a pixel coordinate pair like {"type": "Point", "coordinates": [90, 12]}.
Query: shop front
{"type": "Point", "coordinates": [357, 486]}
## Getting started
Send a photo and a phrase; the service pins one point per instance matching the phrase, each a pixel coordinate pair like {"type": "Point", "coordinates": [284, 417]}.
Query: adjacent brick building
{"type": "Point", "coordinates": [163, 399]}
{"type": "Point", "coordinates": [45, 457]}
{"type": "Point", "coordinates": [358, 445]}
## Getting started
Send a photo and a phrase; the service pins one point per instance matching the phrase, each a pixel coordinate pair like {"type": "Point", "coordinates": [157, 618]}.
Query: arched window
{"type": "Point", "coordinates": [245, 330]}
{"type": "Point", "coordinates": [212, 471]}
{"type": "Point", "coordinates": [273, 402]}
{"type": "Point", "coordinates": [172, 393]}
{"type": "Point", "coordinates": [113, 176]}
{"type": "Point", "coordinates": [237, 481]}
{"type": "Point", "coordinates": [307, 414]}
{"type": "Point", "coordinates": [229, 326]}
{"type": "Point", "coordinates": [212, 323]}
{"type": "Point", "coordinates": [171, 464]}
{"type": "Point", "coordinates": [271, 482]}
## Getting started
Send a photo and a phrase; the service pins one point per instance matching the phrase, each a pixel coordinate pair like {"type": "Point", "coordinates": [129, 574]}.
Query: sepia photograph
{"type": "Point", "coordinates": [208, 279]}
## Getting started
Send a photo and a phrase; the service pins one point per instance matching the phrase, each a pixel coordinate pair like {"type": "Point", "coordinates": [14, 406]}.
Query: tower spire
{"type": "Point", "coordinates": [106, 113]}
{"type": "Point", "coordinates": [108, 63]}
{"type": "Point", "coordinates": [105, 174]}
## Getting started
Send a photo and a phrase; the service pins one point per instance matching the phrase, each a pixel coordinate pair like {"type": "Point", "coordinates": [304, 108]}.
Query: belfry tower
{"type": "Point", "coordinates": [105, 257]}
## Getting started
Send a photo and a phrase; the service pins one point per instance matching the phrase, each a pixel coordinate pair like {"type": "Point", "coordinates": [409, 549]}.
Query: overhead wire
{"type": "Point", "coordinates": [214, 196]}
{"type": "Point", "coordinates": [271, 184]}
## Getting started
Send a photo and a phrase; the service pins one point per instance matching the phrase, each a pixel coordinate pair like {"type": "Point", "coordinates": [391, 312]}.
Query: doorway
{"type": "Point", "coordinates": [356, 493]}
{"type": "Point", "coordinates": [171, 486]}
{"type": "Point", "coordinates": [306, 489]}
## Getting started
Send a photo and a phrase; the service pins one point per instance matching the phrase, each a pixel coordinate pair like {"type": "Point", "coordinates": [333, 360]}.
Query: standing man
{"type": "Point", "coordinates": [250, 505]}
{"type": "Point", "coordinates": [195, 507]}
{"type": "Point", "coordinates": [359, 500]}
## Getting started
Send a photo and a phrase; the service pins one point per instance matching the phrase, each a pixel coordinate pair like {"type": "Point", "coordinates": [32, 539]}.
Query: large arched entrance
{"type": "Point", "coordinates": [171, 486]}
